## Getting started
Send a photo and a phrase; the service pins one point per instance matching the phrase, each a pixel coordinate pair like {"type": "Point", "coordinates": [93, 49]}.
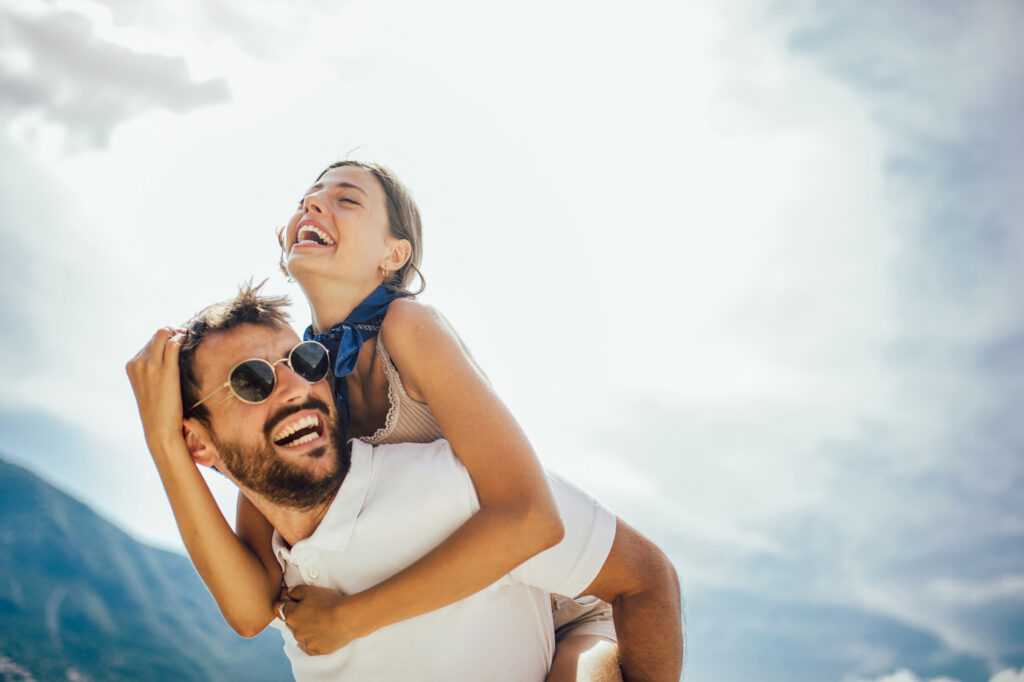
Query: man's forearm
{"type": "Point", "coordinates": [638, 580]}
{"type": "Point", "coordinates": [649, 629]}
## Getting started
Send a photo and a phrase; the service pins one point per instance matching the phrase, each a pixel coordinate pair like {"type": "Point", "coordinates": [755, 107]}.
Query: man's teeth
{"type": "Point", "coordinates": [304, 423]}
{"type": "Point", "coordinates": [314, 235]}
{"type": "Point", "coordinates": [305, 439]}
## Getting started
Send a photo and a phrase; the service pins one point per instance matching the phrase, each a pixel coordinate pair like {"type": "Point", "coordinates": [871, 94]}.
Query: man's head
{"type": "Point", "coordinates": [288, 449]}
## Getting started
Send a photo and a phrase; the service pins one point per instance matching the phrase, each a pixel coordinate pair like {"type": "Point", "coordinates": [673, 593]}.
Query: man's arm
{"type": "Point", "coordinates": [638, 580]}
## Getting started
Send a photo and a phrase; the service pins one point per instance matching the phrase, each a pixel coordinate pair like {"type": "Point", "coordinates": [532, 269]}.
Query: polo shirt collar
{"type": "Point", "coordinates": [335, 528]}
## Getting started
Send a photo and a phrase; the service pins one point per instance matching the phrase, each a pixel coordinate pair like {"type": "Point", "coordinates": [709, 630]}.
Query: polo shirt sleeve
{"type": "Point", "coordinates": [571, 565]}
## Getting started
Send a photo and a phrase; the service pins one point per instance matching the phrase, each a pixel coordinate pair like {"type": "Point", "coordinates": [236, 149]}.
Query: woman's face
{"type": "Point", "coordinates": [340, 229]}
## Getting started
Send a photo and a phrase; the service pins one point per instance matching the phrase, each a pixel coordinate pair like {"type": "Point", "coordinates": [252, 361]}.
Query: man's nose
{"type": "Point", "coordinates": [291, 386]}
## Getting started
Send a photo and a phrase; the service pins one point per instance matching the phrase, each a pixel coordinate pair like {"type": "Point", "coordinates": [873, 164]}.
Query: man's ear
{"type": "Point", "coordinates": [199, 443]}
{"type": "Point", "coordinates": [398, 255]}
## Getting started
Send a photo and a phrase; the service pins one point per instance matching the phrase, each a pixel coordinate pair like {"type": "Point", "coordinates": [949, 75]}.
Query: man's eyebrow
{"type": "Point", "coordinates": [320, 185]}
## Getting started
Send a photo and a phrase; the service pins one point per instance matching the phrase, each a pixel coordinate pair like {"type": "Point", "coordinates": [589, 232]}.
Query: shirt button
{"type": "Point", "coordinates": [314, 574]}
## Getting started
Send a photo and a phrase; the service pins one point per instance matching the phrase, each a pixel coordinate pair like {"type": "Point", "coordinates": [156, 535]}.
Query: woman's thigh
{"type": "Point", "coordinates": [585, 658]}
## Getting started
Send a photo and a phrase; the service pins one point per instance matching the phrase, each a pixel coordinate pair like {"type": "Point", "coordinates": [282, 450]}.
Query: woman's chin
{"type": "Point", "coordinates": [304, 264]}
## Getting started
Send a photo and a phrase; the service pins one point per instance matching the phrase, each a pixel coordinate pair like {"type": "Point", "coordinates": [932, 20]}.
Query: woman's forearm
{"type": "Point", "coordinates": [485, 548]}
{"type": "Point", "coordinates": [234, 575]}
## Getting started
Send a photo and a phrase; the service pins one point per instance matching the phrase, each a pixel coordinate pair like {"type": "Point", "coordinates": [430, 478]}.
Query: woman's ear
{"type": "Point", "coordinates": [399, 254]}
{"type": "Point", "coordinates": [199, 443]}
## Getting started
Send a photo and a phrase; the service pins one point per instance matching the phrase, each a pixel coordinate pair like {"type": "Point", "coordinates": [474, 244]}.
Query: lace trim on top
{"type": "Point", "coordinates": [394, 403]}
{"type": "Point", "coordinates": [408, 420]}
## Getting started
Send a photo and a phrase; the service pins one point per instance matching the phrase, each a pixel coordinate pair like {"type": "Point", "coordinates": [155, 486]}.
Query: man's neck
{"type": "Point", "coordinates": [294, 525]}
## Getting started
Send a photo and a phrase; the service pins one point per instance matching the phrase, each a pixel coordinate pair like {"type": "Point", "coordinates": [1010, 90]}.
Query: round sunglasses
{"type": "Point", "coordinates": [252, 381]}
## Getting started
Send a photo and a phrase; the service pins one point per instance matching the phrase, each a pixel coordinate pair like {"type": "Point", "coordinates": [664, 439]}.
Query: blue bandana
{"type": "Point", "coordinates": [344, 340]}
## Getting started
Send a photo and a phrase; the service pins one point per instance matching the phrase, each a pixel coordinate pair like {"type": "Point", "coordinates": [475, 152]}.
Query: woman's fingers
{"type": "Point", "coordinates": [153, 372]}
{"type": "Point", "coordinates": [281, 613]}
{"type": "Point", "coordinates": [153, 349]}
{"type": "Point", "coordinates": [172, 347]}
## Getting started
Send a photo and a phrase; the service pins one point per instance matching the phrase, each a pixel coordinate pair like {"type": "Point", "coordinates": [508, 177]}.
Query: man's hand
{"type": "Point", "coordinates": [319, 618]}
{"type": "Point", "coordinates": [153, 373]}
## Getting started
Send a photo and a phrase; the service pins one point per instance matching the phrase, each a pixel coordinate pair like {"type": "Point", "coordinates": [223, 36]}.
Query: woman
{"type": "Point", "coordinates": [401, 374]}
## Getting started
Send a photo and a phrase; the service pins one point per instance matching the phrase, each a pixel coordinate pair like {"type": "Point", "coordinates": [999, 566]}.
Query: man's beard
{"type": "Point", "coordinates": [261, 469]}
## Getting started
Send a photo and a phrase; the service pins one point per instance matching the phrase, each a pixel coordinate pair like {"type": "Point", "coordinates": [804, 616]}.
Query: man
{"type": "Point", "coordinates": [348, 516]}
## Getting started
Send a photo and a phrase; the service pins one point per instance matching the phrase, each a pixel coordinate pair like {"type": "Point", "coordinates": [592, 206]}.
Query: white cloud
{"type": "Point", "coordinates": [1008, 675]}
{"type": "Point", "coordinates": [977, 592]}
{"type": "Point", "coordinates": [904, 675]}
{"type": "Point", "coordinates": [64, 86]}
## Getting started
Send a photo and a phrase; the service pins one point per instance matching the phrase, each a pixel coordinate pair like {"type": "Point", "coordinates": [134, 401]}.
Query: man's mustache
{"type": "Point", "coordinates": [285, 412]}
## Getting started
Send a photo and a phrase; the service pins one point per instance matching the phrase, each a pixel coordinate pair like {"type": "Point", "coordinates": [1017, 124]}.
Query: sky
{"type": "Point", "coordinates": [749, 272]}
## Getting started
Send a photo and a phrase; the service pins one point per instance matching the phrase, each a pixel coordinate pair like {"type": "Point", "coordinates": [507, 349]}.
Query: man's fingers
{"type": "Point", "coordinates": [298, 593]}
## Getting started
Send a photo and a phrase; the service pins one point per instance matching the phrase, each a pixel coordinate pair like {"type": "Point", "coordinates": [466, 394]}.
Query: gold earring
{"type": "Point", "coordinates": [387, 273]}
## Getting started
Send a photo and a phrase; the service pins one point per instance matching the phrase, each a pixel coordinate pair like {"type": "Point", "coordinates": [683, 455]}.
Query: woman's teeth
{"type": "Point", "coordinates": [314, 235]}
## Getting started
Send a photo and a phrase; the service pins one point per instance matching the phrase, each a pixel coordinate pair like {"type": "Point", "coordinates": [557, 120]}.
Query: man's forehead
{"type": "Point", "coordinates": [221, 351]}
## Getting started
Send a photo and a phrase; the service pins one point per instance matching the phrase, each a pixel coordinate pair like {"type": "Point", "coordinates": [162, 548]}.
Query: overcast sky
{"type": "Point", "coordinates": [750, 273]}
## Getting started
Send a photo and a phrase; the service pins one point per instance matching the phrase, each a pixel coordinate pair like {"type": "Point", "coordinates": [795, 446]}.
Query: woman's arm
{"type": "Point", "coordinates": [517, 518]}
{"type": "Point", "coordinates": [244, 586]}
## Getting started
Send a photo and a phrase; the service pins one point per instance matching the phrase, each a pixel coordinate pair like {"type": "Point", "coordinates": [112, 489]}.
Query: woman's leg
{"type": "Point", "coordinates": [585, 658]}
{"type": "Point", "coordinates": [585, 648]}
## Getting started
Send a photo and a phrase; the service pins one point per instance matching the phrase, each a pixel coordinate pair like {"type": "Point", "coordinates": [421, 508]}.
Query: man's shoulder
{"type": "Point", "coordinates": [417, 485]}
{"type": "Point", "coordinates": [438, 449]}
{"type": "Point", "coordinates": [434, 461]}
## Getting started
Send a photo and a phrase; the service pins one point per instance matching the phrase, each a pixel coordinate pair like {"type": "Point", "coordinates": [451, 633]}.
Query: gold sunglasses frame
{"type": "Point", "coordinates": [273, 368]}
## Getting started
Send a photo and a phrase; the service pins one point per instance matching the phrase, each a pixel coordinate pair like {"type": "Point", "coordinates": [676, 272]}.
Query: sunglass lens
{"type": "Point", "coordinates": [253, 381]}
{"type": "Point", "coordinates": [310, 361]}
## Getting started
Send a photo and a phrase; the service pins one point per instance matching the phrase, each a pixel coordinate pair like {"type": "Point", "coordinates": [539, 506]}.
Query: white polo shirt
{"type": "Point", "coordinates": [396, 504]}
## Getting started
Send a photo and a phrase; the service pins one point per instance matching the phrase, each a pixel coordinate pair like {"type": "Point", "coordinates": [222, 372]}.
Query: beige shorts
{"type": "Point", "coordinates": [584, 615]}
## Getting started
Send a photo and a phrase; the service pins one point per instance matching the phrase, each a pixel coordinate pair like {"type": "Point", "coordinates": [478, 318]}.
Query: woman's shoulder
{"type": "Point", "coordinates": [417, 334]}
{"type": "Point", "coordinates": [414, 335]}
{"type": "Point", "coordinates": [408, 318]}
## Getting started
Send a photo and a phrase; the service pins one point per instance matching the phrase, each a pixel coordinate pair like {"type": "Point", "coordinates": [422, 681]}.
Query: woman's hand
{"type": "Point", "coordinates": [153, 373]}
{"type": "Point", "coordinates": [321, 620]}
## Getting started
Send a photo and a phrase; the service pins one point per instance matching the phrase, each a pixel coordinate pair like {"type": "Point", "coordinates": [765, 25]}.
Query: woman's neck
{"type": "Point", "coordinates": [331, 303]}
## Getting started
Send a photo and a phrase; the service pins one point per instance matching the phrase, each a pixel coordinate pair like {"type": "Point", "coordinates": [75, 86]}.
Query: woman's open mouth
{"type": "Point", "coordinates": [311, 235]}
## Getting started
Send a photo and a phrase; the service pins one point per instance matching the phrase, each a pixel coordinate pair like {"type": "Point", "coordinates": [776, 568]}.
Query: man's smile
{"type": "Point", "coordinates": [303, 428]}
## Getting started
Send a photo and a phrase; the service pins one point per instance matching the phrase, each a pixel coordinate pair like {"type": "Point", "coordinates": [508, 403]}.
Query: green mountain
{"type": "Point", "coordinates": [81, 600]}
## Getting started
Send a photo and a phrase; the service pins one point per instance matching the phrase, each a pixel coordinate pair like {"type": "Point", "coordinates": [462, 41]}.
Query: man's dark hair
{"type": "Point", "coordinates": [247, 307]}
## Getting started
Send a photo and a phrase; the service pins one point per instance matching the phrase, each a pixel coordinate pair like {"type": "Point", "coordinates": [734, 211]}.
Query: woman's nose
{"type": "Point", "coordinates": [313, 203]}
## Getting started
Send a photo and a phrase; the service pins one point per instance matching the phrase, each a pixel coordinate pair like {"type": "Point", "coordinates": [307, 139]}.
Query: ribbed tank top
{"type": "Point", "coordinates": [408, 421]}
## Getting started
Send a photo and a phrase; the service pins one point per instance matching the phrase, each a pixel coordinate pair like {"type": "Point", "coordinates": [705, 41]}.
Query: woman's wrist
{"type": "Point", "coordinates": [167, 447]}
{"type": "Point", "coordinates": [360, 614]}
